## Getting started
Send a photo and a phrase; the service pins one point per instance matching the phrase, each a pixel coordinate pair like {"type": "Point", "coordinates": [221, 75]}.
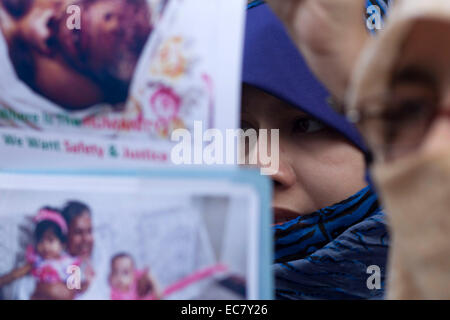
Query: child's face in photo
{"type": "Point", "coordinates": [122, 273]}
{"type": "Point", "coordinates": [50, 246]}
{"type": "Point", "coordinates": [59, 62]}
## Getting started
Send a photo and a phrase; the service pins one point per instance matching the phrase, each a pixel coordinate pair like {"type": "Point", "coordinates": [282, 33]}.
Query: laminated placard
{"type": "Point", "coordinates": [106, 73]}
{"type": "Point", "coordinates": [113, 236]}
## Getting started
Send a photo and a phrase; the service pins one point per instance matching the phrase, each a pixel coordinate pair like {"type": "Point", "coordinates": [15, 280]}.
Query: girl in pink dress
{"type": "Point", "coordinates": [49, 261]}
{"type": "Point", "coordinates": [46, 259]}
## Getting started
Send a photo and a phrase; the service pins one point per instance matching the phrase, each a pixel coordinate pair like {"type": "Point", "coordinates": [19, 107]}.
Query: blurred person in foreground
{"type": "Point", "coordinates": [398, 93]}
{"type": "Point", "coordinates": [329, 227]}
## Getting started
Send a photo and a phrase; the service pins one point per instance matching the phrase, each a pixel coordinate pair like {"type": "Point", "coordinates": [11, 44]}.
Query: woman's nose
{"type": "Point", "coordinates": [285, 177]}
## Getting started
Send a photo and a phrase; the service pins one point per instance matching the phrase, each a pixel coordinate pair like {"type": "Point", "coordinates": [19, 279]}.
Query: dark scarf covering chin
{"type": "Point", "coordinates": [325, 255]}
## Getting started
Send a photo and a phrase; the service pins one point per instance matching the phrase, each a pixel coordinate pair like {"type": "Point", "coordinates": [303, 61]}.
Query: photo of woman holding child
{"type": "Point", "coordinates": [64, 239]}
{"type": "Point", "coordinates": [97, 245]}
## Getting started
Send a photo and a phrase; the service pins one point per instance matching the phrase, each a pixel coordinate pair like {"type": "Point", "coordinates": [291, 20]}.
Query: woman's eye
{"type": "Point", "coordinates": [306, 125]}
{"type": "Point", "coordinates": [409, 109]}
{"type": "Point", "coordinates": [416, 108]}
{"type": "Point", "coordinates": [410, 103]}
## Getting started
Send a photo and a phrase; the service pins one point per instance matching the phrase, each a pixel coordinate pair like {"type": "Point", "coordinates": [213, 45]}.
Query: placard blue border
{"type": "Point", "coordinates": [252, 177]}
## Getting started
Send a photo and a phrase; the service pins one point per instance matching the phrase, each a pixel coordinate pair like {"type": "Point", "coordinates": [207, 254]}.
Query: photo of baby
{"type": "Point", "coordinates": [97, 59]}
{"type": "Point", "coordinates": [124, 245]}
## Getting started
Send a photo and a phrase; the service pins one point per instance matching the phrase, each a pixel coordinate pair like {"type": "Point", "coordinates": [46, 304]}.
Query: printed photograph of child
{"type": "Point", "coordinates": [77, 68]}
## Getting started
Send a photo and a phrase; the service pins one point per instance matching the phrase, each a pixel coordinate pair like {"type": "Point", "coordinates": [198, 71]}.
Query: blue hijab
{"type": "Point", "coordinates": [326, 254]}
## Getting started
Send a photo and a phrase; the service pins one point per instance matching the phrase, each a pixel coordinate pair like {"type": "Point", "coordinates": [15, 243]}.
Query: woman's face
{"type": "Point", "coordinates": [80, 240]}
{"type": "Point", "coordinates": [318, 167]}
{"type": "Point", "coordinates": [421, 79]}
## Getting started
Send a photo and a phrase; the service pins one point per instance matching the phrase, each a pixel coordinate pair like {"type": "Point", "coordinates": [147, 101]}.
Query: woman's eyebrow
{"type": "Point", "coordinates": [413, 75]}
{"type": "Point", "coordinates": [295, 112]}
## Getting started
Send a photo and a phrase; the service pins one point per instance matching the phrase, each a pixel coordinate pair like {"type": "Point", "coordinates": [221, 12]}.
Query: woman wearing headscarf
{"type": "Point", "coordinates": [328, 226]}
{"type": "Point", "coordinates": [400, 98]}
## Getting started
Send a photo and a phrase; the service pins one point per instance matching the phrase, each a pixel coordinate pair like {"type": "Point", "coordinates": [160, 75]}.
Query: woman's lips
{"type": "Point", "coordinates": [282, 215]}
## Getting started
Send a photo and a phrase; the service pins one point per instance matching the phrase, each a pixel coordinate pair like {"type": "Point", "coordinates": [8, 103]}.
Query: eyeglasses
{"type": "Point", "coordinates": [397, 125]}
